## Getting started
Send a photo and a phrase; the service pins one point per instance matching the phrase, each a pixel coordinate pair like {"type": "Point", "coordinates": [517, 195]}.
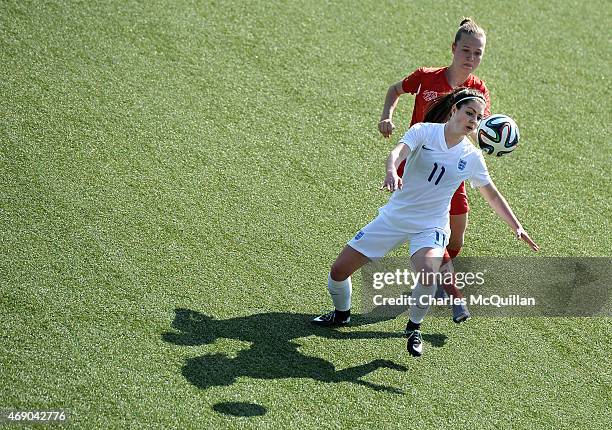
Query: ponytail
{"type": "Point", "coordinates": [469, 27]}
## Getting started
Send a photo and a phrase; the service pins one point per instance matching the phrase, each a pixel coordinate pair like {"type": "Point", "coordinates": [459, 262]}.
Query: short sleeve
{"type": "Point", "coordinates": [480, 174]}
{"type": "Point", "coordinates": [412, 82]}
{"type": "Point", "coordinates": [415, 136]}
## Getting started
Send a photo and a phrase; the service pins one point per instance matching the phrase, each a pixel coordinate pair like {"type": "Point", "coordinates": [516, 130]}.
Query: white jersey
{"type": "Point", "coordinates": [432, 174]}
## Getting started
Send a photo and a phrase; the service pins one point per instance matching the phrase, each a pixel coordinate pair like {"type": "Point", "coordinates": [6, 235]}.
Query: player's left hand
{"type": "Point", "coordinates": [392, 182]}
{"type": "Point", "coordinates": [522, 235]}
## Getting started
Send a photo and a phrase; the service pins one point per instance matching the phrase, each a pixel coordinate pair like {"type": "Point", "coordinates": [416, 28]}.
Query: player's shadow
{"type": "Point", "coordinates": [272, 354]}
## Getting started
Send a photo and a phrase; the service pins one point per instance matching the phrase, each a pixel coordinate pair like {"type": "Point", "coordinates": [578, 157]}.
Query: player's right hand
{"type": "Point", "coordinates": [392, 182]}
{"type": "Point", "coordinates": [522, 235]}
{"type": "Point", "coordinates": [386, 127]}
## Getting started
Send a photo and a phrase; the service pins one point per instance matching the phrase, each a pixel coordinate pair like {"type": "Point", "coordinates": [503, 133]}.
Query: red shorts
{"type": "Point", "coordinates": [459, 202]}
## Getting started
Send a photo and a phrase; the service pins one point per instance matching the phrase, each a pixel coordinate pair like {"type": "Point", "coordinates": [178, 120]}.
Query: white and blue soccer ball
{"type": "Point", "coordinates": [498, 135]}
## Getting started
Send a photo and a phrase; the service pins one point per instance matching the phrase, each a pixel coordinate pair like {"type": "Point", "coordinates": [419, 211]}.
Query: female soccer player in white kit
{"type": "Point", "coordinates": [439, 157]}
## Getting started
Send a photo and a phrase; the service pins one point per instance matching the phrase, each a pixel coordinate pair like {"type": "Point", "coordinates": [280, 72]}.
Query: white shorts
{"type": "Point", "coordinates": [378, 238]}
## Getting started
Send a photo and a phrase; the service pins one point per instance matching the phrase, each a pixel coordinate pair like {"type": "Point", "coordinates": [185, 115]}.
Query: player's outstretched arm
{"type": "Point", "coordinates": [392, 180]}
{"type": "Point", "coordinates": [503, 210]}
{"type": "Point", "coordinates": [385, 126]}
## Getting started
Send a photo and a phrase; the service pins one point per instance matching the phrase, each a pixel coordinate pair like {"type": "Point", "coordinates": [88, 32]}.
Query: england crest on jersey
{"type": "Point", "coordinates": [461, 165]}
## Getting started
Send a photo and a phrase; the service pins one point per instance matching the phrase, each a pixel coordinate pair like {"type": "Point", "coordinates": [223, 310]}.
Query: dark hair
{"type": "Point", "coordinates": [469, 27]}
{"type": "Point", "coordinates": [440, 109]}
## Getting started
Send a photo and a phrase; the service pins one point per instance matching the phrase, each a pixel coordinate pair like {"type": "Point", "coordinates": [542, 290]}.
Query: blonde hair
{"type": "Point", "coordinates": [469, 27]}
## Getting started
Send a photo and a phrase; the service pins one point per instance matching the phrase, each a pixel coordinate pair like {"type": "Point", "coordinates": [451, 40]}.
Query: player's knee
{"type": "Point", "coordinates": [455, 242]}
{"type": "Point", "coordinates": [338, 272]}
{"type": "Point", "coordinates": [453, 252]}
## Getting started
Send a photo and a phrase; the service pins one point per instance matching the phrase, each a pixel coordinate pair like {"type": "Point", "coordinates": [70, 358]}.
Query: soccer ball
{"type": "Point", "coordinates": [498, 135]}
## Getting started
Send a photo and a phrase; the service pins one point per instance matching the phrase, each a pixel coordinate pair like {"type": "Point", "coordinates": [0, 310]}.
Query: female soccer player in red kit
{"type": "Point", "coordinates": [429, 83]}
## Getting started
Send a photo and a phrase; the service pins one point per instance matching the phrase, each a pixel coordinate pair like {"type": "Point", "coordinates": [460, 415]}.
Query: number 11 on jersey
{"type": "Point", "coordinates": [433, 172]}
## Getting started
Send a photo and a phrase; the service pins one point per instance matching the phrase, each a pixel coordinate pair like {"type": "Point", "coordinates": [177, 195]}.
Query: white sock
{"type": "Point", "coordinates": [340, 292]}
{"type": "Point", "coordinates": [421, 294]}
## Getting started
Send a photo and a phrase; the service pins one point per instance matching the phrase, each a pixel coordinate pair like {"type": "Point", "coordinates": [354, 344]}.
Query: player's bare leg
{"type": "Point", "coordinates": [458, 226]}
{"type": "Point", "coordinates": [426, 261]}
{"type": "Point", "coordinates": [339, 286]}
{"type": "Point", "coordinates": [347, 262]}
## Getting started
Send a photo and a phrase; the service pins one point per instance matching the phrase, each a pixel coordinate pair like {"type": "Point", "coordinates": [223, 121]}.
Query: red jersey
{"type": "Point", "coordinates": [429, 83]}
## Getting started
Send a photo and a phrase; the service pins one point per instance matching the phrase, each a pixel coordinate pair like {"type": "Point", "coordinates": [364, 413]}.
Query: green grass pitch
{"type": "Point", "coordinates": [177, 176]}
